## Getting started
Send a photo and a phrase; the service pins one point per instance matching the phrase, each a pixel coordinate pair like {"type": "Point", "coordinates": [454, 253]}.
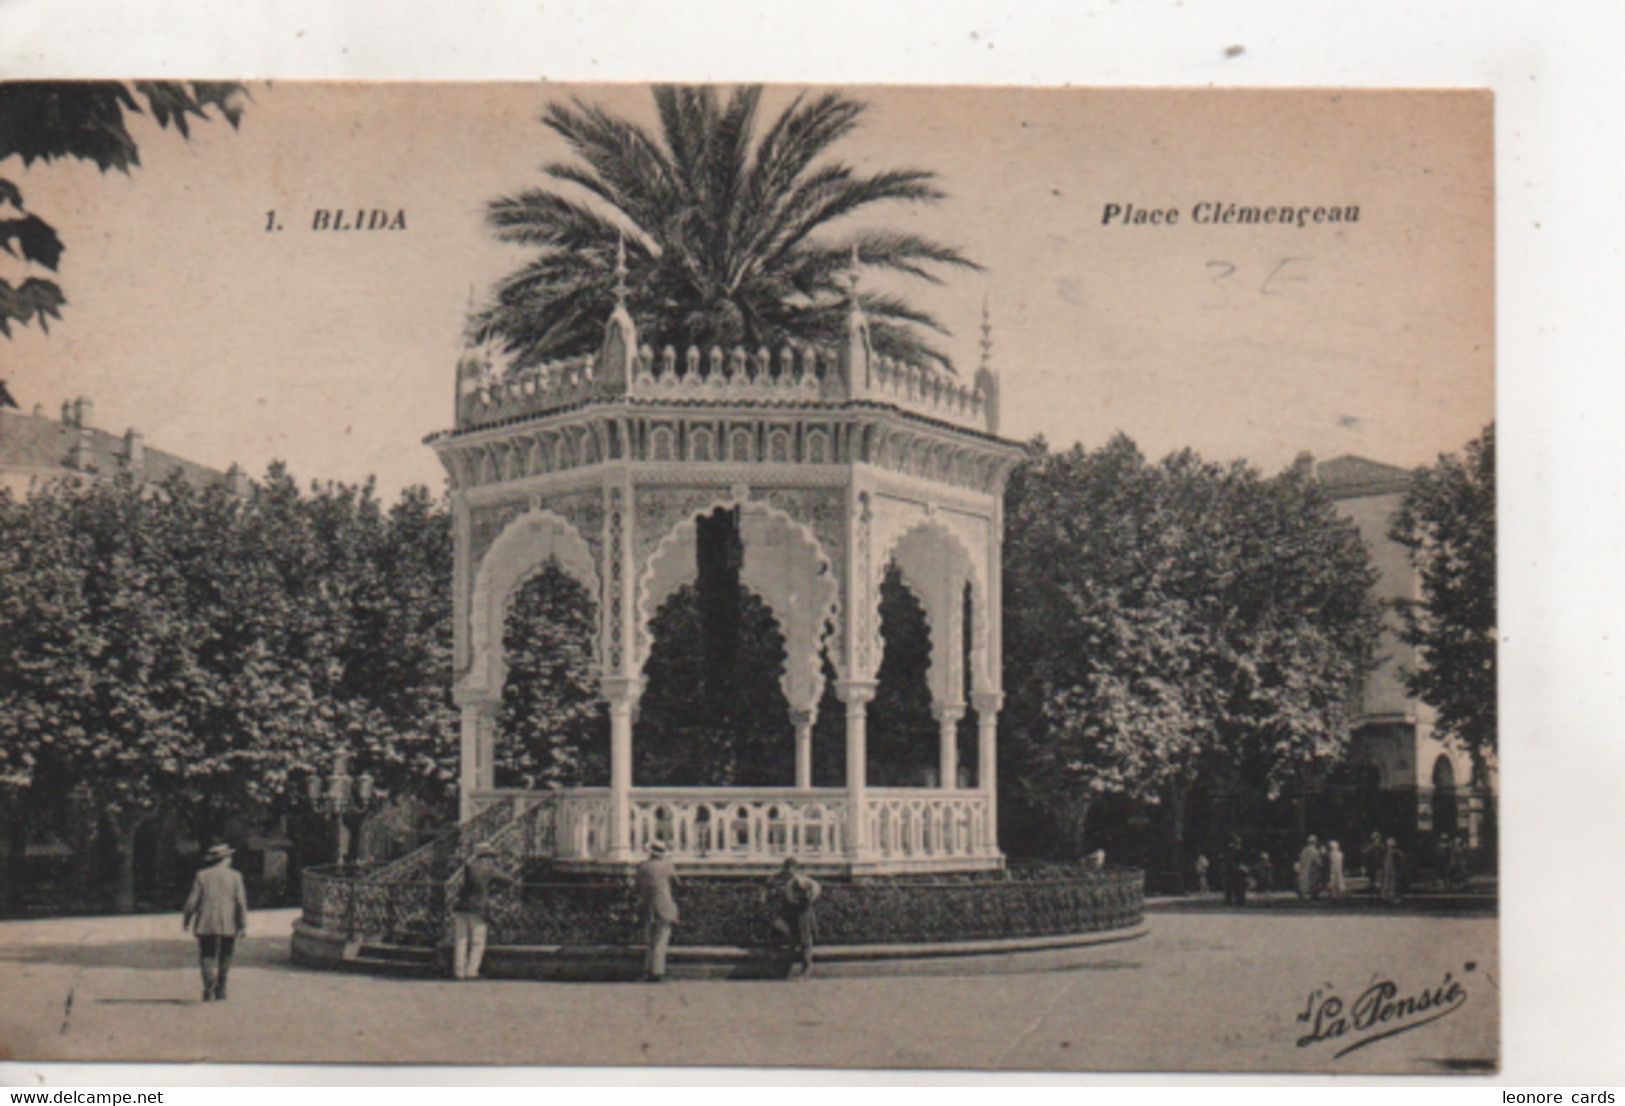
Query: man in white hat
{"type": "Point", "coordinates": [471, 919]}
{"type": "Point", "coordinates": [656, 878]}
{"type": "Point", "coordinates": [217, 912]}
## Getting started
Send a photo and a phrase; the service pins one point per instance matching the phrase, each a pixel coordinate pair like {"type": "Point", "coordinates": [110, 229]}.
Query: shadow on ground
{"type": "Point", "coordinates": [1431, 904]}
{"type": "Point", "coordinates": [152, 954]}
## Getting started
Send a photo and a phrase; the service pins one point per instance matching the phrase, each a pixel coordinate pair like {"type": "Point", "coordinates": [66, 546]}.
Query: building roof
{"type": "Point", "coordinates": [1350, 477]}
{"type": "Point", "coordinates": [41, 447]}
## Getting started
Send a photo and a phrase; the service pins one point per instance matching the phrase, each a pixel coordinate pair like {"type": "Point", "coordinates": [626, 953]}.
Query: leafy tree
{"type": "Point", "coordinates": [102, 677]}
{"type": "Point", "coordinates": [902, 732]}
{"type": "Point", "coordinates": [355, 645]}
{"type": "Point", "coordinates": [412, 658]}
{"type": "Point", "coordinates": [723, 230]}
{"type": "Point", "coordinates": [1098, 655]}
{"type": "Point", "coordinates": [553, 729]}
{"type": "Point", "coordinates": [46, 120]}
{"type": "Point", "coordinates": [700, 726]}
{"type": "Point", "coordinates": [1173, 621]}
{"type": "Point", "coordinates": [1447, 522]}
{"type": "Point", "coordinates": [171, 649]}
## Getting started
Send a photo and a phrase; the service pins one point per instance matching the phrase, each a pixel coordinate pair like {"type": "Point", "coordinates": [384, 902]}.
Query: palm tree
{"type": "Point", "coordinates": [721, 231]}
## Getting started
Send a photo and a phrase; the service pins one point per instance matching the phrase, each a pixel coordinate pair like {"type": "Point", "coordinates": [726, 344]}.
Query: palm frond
{"type": "Point", "coordinates": [636, 175]}
{"type": "Point", "coordinates": [548, 220]}
{"type": "Point", "coordinates": [898, 251]}
{"type": "Point", "coordinates": [724, 230]}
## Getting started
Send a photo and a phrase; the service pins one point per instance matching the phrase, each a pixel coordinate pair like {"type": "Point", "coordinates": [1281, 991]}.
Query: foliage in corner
{"type": "Point", "coordinates": [48, 120]}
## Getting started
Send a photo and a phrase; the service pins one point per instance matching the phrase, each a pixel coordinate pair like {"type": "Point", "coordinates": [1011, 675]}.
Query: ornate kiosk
{"type": "Point", "coordinates": [838, 462]}
{"type": "Point", "coordinates": [833, 464]}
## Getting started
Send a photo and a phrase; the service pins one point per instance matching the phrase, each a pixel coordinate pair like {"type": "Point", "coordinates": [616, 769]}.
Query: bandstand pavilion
{"type": "Point", "coordinates": [838, 462]}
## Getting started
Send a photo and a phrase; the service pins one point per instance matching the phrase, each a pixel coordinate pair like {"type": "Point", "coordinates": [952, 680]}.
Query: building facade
{"type": "Point", "coordinates": [1427, 786]}
{"type": "Point", "coordinates": [37, 449]}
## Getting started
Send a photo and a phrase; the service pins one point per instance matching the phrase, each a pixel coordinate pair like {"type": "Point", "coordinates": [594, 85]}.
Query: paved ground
{"type": "Point", "coordinates": [1208, 990]}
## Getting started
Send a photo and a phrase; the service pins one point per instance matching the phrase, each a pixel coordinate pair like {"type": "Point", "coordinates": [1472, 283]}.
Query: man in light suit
{"type": "Point", "coordinates": [656, 879]}
{"type": "Point", "coordinates": [217, 911]}
{"type": "Point", "coordinates": [472, 917]}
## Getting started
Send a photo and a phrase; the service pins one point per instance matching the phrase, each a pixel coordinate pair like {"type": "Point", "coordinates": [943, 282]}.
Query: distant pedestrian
{"type": "Point", "coordinates": [1371, 861]}
{"type": "Point", "coordinates": [1264, 874]}
{"type": "Point", "coordinates": [790, 894]}
{"type": "Point", "coordinates": [1336, 886]}
{"type": "Point", "coordinates": [1393, 872]}
{"type": "Point", "coordinates": [1456, 865]}
{"type": "Point", "coordinates": [656, 880]}
{"type": "Point", "coordinates": [1201, 874]}
{"type": "Point", "coordinates": [1309, 869]}
{"type": "Point", "coordinates": [217, 912]}
{"type": "Point", "coordinates": [1235, 874]}
{"type": "Point", "coordinates": [471, 918]}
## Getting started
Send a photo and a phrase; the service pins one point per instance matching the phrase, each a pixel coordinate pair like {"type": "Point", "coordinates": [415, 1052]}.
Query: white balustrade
{"type": "Point", "coordinates": [740, 824]}
{"type": "Point", "coordinates": [716, 374]}
{"type": "Point", "coordinates": [581, 827]}
{"type": "Point", "coordinates": [578, 828]}
{"type": "Point", "coordinates": [928, 825]}
{"type": "Point", "coordinates": [929, 391]}
{"type": "Point", "coordinates": [730, 825]}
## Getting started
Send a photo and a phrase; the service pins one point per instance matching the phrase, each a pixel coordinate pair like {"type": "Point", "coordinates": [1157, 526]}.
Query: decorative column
{"type": "Point", "coordinates": [622, 681]}
{"type": "Point", "coordinates": [477, 771]}
{"type": "Point", "coordinates": [622, 693]}
{"type": "Point", "coordinates": [862, 661]}
{"type": "Point", "coordinates": [463, 566]}
{"type": "Point", "coordinates": [803, 722]}
{"type": "Point", "coordinates": [948, 745]}
{"type": "Point", "coordinates": [857, 695]}
{"type": "Point", "coordinates": [988, 704]}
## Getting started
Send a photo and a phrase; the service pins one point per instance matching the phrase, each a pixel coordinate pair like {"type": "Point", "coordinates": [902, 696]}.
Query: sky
{"type": "Point", "coordinates": [334, 351]}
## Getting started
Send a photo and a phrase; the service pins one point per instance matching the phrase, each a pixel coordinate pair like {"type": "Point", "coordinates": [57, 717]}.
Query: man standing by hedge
{"type": "Point", "coordinates": [790, 894]}
{"type": "Point", "coordinates": [1235, 873]}
{"type": "Point", "coordinates": [471, 920]}
{"type": "Point", "coordinates": [656, 879]}
{"type": "Point", "coordinates": [217, 912]}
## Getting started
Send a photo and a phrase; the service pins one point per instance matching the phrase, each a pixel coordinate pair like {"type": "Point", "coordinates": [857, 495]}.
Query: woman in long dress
{"type": "Point", "coordinates": [1393, 871]}
{"type": "Point", "coordinates": [1334, 871]}
{"type": "Point", "coordinates": [1308, 863]}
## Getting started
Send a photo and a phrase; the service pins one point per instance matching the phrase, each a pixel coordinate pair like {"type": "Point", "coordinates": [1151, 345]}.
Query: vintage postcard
{"type": "Point", "coordinates": [777, 576]}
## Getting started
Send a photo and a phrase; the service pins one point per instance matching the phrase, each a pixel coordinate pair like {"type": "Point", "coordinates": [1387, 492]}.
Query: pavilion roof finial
{"type": "Point", "coordinates": [848, 280]}
{"type": "Point", "coordinates": [987, 335]}
{"type": "Point", "coordinates": [855, 349]}
{"type": "Point", "coordinates": [617, 357]}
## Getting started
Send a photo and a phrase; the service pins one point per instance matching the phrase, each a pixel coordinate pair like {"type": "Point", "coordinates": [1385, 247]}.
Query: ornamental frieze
{"type": "Point", "coordinates": [659, 510]}
{"type": "Point", "coordinates": [485, 525]}
{"type": "Point", "coordinates": [583, 510]}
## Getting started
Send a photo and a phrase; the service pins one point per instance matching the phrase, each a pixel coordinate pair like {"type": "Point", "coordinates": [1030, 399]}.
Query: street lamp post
{"type": "Point", "coordinates": [342, 797]}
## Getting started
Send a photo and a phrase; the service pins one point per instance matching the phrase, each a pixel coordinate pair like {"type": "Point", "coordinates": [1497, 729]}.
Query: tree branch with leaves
{"type": "Point", "coordinates": [86, 120]}
{"type": "Point", "coordinates": [1447, 523]}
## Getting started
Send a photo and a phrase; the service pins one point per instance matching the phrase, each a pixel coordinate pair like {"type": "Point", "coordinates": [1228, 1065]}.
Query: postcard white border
{"type": "Point", "coordinates": [1559, 94]}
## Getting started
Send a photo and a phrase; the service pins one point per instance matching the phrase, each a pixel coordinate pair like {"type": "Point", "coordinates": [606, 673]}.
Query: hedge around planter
{"type": "Point", "coordinates": [1023, 901]}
